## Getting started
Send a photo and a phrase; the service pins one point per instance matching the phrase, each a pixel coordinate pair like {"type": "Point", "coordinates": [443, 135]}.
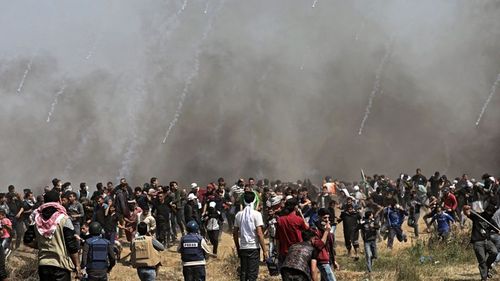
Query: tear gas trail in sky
{"type": "Point", "coordinates": [183, 7]}
{"type": "Point", "coordinates": [356, 37]}
{"type": "Point", "coordinates": [28, 69]}
{"type": "Point", "coordinates": [192, 75]}
{"type": "Point", "coordinates": [77, 154]}
{"type": "Point", "coordinates": [490, 96]}
{"type": "Point", "coordinates": [54, 103]}
{"type": "Point", "coordinates": [93, 48]}
{"type": "Point", "coordinates": [171, 24]}
{"type": "Point", "coordinates": [315, 3]}
{"type": "Point", "coordinates": [376, 85]}
{"type": "Point", "coordinates": [131, 151]}
{"type": "Point", "coordinates": [63, 87]}
{"type": "Point", "coordinates": [447, 156]}
{"type": "Point", "coordinates": [206, 7]}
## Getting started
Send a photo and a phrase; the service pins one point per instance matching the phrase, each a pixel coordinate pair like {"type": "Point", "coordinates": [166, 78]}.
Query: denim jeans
{"type": "Point", "coordinates": [194, 273]}
{"type": "Point", "coordinates": [395, 232]}
{"type": "Point", "coordinates": [146, 273]}
{"type": "Point", "coordinates": [326, 272]}
{"type": "Point", "coordinates": [370, 253]}
{"type": "Point", "coordinates": [486, 253]}
{"type": "Point", "coordinates": [111, 236]}
{"type": "Point", "coordinates": [495, 238]}
{"type": "Point", "coordinates": [179, 217]}
{"type": "Point", "coordinates": [249, 262]}
{"type": "Point", "coordinates": [416, 216]}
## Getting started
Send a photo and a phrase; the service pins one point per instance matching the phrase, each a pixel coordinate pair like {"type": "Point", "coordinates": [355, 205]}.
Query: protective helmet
{"type": "Point", "coordinates": [95, 228]}
{"type": "Point", "coordinates": [192, 226]}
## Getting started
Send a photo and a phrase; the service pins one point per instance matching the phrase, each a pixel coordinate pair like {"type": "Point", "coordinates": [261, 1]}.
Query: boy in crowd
{"type": "Point", "coordinates": [443, 223]}
{"type": "Point", "coordinates": [369, 227]}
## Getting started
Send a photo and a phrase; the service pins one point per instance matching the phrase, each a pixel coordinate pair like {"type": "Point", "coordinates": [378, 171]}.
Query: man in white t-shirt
{"type": "Point", "coordinates": [248, 234]}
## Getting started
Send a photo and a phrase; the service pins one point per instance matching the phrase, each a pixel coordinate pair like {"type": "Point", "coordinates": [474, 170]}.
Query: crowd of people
{"type": "Point", "coordinates": [289, 226]}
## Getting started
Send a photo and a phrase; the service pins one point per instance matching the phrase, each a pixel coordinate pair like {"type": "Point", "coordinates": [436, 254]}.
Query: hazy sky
{"type": "Point", "coordinates": [256, 88]}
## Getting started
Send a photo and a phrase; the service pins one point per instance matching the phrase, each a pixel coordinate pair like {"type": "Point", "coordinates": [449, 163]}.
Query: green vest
{"type": "Point", "coordinates": [53, 252]}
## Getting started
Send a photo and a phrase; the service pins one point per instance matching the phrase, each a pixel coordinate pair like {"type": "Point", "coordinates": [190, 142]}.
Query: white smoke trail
{"type": "Point", "coordinates": [77, 153]}
{"type": "Point", "coordinates": [134, 137]}
{"type": "Point", "coordinates": [54, 103]}
{"type": "Point", "coordinates": [93, 48]}
{"type": "Point", "coordinates": [206, 7]}
{"type": "Point", "coordinates": [183, 7]}
{"type": "Point", "coordinates": [171, 24]}
{"type": "Point", "coordinates": [356, 37]}
{"type": "Point", "coordinates": [490, 96]}
{"type": "Point", "coordinates": [447, 156]}
{"type": "Point", "coordinates": [376, 85]}
{"type": "Point", "coordinates": [192, 75]}
{"type": "Point", "coordinates": [28, 69]}
{"type": "Point", "coordinates": [131, 152]}
{"type": "Point", "coordinates": [315, 3]}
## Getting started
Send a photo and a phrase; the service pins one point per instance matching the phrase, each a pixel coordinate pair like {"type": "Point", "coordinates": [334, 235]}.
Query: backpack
{"type": "Point", "coordinates": [98, 253]}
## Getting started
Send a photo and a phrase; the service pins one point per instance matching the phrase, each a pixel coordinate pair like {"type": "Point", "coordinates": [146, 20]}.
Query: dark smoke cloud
{"type": "Point", "coordinates": [280, 91]}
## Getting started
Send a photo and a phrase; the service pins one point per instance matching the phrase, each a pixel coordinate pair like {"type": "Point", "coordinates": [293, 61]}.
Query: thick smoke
{"type": "Point", "coordinates": [280, 89]}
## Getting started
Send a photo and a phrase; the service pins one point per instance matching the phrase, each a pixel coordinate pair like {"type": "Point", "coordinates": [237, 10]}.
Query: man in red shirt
{"type": "Point", "coordinates": [450, 203]}
{"type": "Point", "coordinates": [324, 243]}
{"type": "Point", "coordinates": [289, 227]}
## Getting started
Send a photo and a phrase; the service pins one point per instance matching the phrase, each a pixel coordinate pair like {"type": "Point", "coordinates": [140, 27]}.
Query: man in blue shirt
{"type": "Point", "coordinates": [443, 223]}
{"type": "Point", "coordinates": [395, 216]}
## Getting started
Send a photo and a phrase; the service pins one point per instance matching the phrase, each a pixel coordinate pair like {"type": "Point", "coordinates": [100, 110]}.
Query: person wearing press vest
{"type": "Point", "coordinates": [193, 249]}
{"type": "Point", "coordinates": [54, 235]}
{"type": "Point", "coordinates": [144, 254]}
{"type": "Point", "coordinates": [98, 257]}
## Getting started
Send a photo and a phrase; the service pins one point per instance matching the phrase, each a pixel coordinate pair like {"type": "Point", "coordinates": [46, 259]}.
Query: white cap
{"type": "Point", "coordinates": [194, 185]}
{"type": "Point", "coordinates": [211, 204]}
{"type": "Point", "coordinates": [191, 196]}
{"type": "Point", "coordinates": [356, 188]}
{"type": "Point", "coordinates": [288, 197]}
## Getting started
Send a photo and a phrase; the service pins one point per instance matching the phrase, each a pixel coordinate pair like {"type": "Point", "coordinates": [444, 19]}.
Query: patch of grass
{"type": "Point", "coordinates": [22, 268]}
{"type": "Point", "coordinates": [425, 257]}
{"type": "Point", "coordinates": [457, 250]}
{"type": "Point", "coordinates": [407, 272]}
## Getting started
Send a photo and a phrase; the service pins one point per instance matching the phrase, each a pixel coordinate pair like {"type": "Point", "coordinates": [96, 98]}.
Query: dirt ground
{"type": "Point", "coordinates": [223, 267]}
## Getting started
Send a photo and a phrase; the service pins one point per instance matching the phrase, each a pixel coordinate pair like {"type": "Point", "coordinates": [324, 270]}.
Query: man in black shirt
{"type": "Point", "coordinates": [419, 179]}
{"type": "Point", "coordinates": [162, 212]}
{"type": "Point", "coordinates": [484, 249]}
{"type": "Point", "coordinates": [435, 181]}
{"type": "Point", "coordinates": [350, 218]}
{"type": "Point", "coordinates": [369, 227]}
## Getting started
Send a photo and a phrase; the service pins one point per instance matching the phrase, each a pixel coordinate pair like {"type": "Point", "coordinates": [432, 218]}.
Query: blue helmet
{"type": "Point", "coordinates": [192, 226]}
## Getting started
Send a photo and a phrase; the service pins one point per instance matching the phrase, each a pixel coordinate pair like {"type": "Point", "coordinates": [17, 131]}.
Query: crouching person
{"type": "Point", "coordinates": [144, 254]}
{"type": "Point", "coordinates": [300, 263]}
{"type": "Point", "coordinates": [98, 256]}
{"type": "Point", "coordinates": [193, 249]}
